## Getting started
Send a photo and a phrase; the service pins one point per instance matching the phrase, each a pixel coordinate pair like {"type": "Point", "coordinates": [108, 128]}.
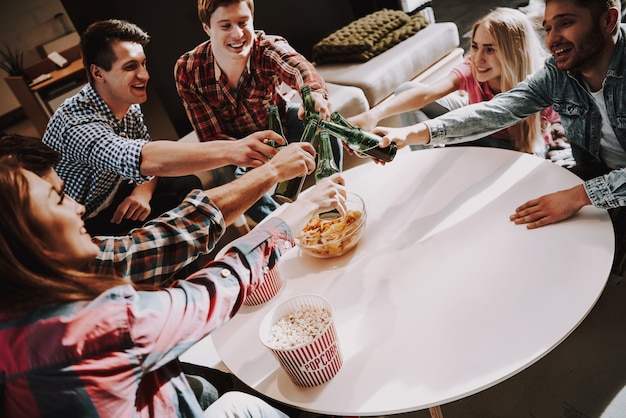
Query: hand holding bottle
{"type": "Point", "coordinates": [288, 191]}
{"type": "Point", "coordinates": [417, 134]}
{"type": "Point", "coordinates": [366, 120]}
{"type": "Point", "coordinates": [275, 124]}
{"type": "Point", "coordinates": [358, 140]}
{"type": "Point", "coordinates": [293, 161]}
{"type": "Point", "coordinates": [322, 106]}
{"type": "Point", "coordinates": [326, 167]}
{"type": "Point", "coordinates": [253, 150]}
{"type": "Point", "coordinates": [313, 103]}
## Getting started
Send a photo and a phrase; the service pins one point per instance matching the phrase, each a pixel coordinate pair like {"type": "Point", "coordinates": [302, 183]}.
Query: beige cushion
{"type": "Point", "coordinates": [379, 77]}
{"type": "Point", "coordinates": [347, 100]}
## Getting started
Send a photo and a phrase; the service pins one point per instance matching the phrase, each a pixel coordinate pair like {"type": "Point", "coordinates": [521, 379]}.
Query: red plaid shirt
{"type": "Point", "coordinates": [164, 245]}
{"type": "Point", "coordinates": [216, 109]}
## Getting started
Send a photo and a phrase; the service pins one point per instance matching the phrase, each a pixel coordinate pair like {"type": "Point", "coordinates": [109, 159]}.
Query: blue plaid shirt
{"type": "Point", "coordinates": [97, 150]}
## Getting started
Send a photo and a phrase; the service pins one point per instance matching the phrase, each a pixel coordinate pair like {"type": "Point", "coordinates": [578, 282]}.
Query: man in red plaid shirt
{"type": "Point", "coordinates": [228, 82]}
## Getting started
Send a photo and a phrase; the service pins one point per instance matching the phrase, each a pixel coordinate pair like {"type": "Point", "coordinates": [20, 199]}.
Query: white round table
{"type": "Point", "coordinates": [443, 296]}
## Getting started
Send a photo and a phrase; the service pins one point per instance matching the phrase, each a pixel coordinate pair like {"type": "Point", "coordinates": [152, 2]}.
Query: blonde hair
{"type": "Point", "coordinates": [520, 52]}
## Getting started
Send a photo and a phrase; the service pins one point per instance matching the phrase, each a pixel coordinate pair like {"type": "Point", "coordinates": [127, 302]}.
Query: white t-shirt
{"type": "Point", "coordinates": [611, 152]}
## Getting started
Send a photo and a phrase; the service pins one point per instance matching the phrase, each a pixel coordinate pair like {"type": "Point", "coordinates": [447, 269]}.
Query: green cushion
{"type": "Point", "coordinates": [367, 37]}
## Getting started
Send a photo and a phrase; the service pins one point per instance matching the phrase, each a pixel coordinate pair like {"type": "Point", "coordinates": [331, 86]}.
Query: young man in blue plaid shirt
{"type": "Point", "coordinates": [108, 161]}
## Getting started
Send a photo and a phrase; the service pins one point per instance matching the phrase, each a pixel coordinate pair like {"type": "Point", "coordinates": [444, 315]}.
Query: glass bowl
{"type": "Point", "coordinates": [332, 238]}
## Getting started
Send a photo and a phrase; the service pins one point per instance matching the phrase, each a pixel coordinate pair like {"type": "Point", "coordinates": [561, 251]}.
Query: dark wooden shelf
{"type": "Point", "coordinates": [34, 99]}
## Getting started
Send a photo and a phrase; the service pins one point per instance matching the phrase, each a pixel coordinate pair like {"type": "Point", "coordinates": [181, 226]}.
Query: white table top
{"type": "Point", "coordinates": [443, 296]}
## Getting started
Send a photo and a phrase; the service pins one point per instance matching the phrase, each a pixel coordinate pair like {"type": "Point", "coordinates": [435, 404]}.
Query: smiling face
{"type": "Point", "coordinates": [59, 219]}
{"type": "Point", "coordinates": [486, 65]}
{"type": "Point", "coordinates": [125, 83]}
{"type": "Point", "coordinates": [231, 31]}
{"type": "Point", "coordinates": [573, 36]}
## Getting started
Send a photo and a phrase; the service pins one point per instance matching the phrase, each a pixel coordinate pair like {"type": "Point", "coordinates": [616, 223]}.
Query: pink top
{"type": "Point", "coordinates": [480, 92]}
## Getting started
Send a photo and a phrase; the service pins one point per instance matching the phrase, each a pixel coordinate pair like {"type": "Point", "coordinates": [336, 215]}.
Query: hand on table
{"type": "Point", "coordinates": [551, 208]}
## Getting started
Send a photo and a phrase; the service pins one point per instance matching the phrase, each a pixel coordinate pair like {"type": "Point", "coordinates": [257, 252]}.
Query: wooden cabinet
{"type": "Point", "coordinates": [35, 99]}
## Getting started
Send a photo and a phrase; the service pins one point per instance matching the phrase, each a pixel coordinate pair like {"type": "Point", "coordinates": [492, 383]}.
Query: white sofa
{"type": "Point", "coordinates": [436, 47]}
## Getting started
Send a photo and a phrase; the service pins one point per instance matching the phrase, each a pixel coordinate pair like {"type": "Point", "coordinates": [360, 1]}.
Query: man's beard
{"type": "Point", "coordinates": [587, 53]}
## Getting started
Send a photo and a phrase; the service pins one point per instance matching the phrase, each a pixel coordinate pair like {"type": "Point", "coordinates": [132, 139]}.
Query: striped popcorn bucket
{"type": "Point", "coordinates": [272, 283]}
{"type": "Point", "coordinates": [310, 360]}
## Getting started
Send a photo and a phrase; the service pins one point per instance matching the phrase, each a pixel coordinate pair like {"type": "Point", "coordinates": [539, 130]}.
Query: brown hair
{"type": "Point", "coordinates": [31, 275]}
{"type": "Point", "coordinates": [33, 154]}
{"type": "Point", "coordinates": [597, 7]}
{"type": "Point", "coordinates": [98, 39]}
{"type": "Point", "coordinates": [206, 8]}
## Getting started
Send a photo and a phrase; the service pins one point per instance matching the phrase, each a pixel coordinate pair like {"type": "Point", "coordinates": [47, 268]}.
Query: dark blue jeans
{"type": "Point", "coordinates": [169, 193]}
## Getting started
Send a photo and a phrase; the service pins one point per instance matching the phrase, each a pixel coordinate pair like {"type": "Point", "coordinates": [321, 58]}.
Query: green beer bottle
{"type": "Point", "coordinates": [288, 191]}
{"type": "Point", "coordinates": [274, 123]}
{"type": "Point", "coordinates": [340, 120]}
{"type": "Point", "coordinates": [308, 103]}
{"type": "Point", "coordinates": [357, 139]}
{"type": "Point", "coordinates": [326, 167]}
{"type": "Point", "coordinates": [325, 162]}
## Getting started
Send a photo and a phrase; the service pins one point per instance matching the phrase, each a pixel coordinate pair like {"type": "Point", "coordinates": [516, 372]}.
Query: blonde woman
{"type": "Point", "coordinates": [504, 50]}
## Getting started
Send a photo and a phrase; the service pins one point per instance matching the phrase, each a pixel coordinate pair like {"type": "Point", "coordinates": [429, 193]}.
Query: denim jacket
{"type": "Point", "coordinates": [580, 117]}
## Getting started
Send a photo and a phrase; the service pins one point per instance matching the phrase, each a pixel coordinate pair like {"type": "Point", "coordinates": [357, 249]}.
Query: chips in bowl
{"type": "Point", "coordinates": [334, 237]}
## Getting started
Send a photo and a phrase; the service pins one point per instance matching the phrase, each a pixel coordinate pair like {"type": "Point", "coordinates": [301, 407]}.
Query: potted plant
{"type": "Point", "coordinates": [12, 60]}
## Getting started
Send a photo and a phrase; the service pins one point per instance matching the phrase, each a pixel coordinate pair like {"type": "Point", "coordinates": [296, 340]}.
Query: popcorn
{"type": "Point", "coordinates": [301, 335]}
{"type": "Point", "coordinates": [298, 327]}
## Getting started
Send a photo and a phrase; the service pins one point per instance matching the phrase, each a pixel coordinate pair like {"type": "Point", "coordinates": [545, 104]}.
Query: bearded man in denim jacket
{"type": "Point", "coordinates": [585, 81]}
